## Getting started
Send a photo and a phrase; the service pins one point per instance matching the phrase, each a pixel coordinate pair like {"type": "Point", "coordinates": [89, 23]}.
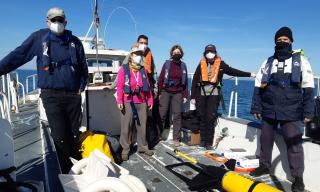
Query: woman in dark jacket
{"type": "Point", "coordinates": [173, 89]}
{"type": "Point", "coordinates": [206, 86]}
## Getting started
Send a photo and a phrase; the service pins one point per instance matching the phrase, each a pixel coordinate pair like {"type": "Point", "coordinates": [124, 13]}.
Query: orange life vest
{"type": "Point", "coordinates": [214, 70]}
{"type": "Point", "coordinates": [148, 62]}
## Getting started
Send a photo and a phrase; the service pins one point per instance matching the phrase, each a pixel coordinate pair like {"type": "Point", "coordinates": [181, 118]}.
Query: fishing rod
{"type": "Point", "coordinates": [229, 180]}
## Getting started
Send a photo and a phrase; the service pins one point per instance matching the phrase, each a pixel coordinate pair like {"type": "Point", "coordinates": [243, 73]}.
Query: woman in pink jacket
{"type": "Point", "coordinates": [134, 98]}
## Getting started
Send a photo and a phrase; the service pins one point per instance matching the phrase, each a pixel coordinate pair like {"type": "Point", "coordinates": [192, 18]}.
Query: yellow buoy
{"type": "Point", "coordinates": [234, 182]}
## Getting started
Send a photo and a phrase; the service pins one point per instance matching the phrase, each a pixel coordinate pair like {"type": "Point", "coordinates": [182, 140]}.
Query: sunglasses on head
{"type": "Point", "coordinates": [59, 19]}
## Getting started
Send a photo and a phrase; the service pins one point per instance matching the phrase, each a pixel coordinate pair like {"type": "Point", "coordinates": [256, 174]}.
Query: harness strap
{"type": "Point", "coordinates": [254, 184]}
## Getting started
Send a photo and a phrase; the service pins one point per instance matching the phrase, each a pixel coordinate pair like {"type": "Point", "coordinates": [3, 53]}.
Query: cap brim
{"type": "Point", "coordinates": [138, 51]}
{"type": "Point", "coordinates": [54, 16]}
{"type": "Point", "coordinates": [211, 50]}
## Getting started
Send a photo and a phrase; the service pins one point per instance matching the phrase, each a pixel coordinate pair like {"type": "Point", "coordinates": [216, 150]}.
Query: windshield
{"type": "Point", "coordinates": [102, 63]}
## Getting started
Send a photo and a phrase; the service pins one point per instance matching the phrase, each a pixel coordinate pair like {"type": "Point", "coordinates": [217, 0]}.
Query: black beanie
{"type": "Point", "coordinates": [283, 31]}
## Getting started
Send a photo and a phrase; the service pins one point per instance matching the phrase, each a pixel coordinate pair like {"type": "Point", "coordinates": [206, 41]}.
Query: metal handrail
{"type": "Point", "coordinates": [33, 82]}
{"type": "Point", "coordinates": [14, 97]}
{"type": "Point", "coordinates": [235, 93]}
{"type": "Point", "coordinates": [8, 89]}
{"type": "Point", "coordinates": [6, 108]}
{"type": "Point", "coordinates": [16, 74]}
{"type": "Point", "coordinates": [3, 83]}
{"type": "Point", "coordinates": [23, 93]}
{"type": "Point", "coordinates": [2, 110]}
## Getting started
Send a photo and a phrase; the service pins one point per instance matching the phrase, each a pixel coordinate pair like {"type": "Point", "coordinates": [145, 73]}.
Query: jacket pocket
{"type": "Point", "coordinates": [267, 98]}
{"type": "Point", "coordinates": [293, 98]}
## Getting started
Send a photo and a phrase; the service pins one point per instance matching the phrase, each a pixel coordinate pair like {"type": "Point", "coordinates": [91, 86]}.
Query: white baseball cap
{"type": "Point", "coordinates": [55, 12]}
{"type": "Point", "coordinates": [135, 48]}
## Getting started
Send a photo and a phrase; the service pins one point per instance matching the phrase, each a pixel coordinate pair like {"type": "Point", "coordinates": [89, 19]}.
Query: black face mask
{"type": "Point", "coordinates": [176, 57]}
{"type": "Point", "coordinates": [282, 51]}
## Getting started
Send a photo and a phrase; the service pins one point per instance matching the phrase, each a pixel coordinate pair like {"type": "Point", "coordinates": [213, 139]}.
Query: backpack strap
{"type": "Point", "coordinates": [266, 73]}
{"type": "Point", "coordinates": [296, 68]}
{"type": "Point", "coordinates": [127, 89]}
{"type": "Point", "coordinates": [184, 75]}
{"type": "Point", "coordinates": [167, 66]}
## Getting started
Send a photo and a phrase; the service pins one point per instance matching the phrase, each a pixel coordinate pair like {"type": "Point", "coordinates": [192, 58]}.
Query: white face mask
{"type": "Point", "coordinates": [57, 27]}
{"type": "Point", "coordinates": [210, 55]}
{"type": "Point", "coordinates": [137, 59]}
{"type": "Point", "coordinates": [143, 47]}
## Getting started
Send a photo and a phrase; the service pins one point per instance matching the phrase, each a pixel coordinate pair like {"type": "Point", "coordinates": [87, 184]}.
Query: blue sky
{"type": "Point", "coordinates": [243, 31]}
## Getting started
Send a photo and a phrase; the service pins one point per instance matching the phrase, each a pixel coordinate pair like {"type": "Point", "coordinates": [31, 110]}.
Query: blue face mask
{"type": "Point", "coordinates": [282, 51]}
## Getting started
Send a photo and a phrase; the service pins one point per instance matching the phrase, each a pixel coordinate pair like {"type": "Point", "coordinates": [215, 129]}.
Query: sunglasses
{"type": "Point", "coordinates": [58, 19]}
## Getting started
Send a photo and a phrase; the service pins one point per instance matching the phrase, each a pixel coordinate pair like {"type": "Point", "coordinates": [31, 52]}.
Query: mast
{"type": "Point", "coordinates": [96, 22]}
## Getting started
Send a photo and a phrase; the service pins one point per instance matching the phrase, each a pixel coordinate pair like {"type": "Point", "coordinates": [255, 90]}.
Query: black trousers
{"type": "Point", "coordinates": [173, 100]}
{"type": "Point", "coordinates": [63, 110]}
{"type": "Point", "coordinates": [293, 138]}
{"type": "Point", "coordinates": [207, 107]}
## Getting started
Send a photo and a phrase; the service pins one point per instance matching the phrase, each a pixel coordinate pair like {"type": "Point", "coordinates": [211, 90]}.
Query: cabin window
{"type": "Point", "coordinates": [101, 62]}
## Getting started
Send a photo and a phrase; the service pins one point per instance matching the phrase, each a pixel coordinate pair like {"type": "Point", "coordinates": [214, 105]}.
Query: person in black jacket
{"type": "Point", "coordinates": [206, 87]}
{"type": "Point", "coordinates": [284, 95]}
{"type": "Point", "coordinates": [62, 76]}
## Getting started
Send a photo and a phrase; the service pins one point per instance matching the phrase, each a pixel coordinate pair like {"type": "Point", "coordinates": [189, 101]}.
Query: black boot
{"type": "Point", "coordinates": [209, 147]}
{"type": "Point", "coordinates": [202, 144]}
{"type": "Point", "coordinates": [297, 185]}
{"type": "Point", "coordinates": [261, 170]}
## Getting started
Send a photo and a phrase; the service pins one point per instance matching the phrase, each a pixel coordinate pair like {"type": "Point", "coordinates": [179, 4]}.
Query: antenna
{"type": "Point", "coordinates": [96, 21]}
{"type": "Point", "coordinates": [97, 76]}
{"type": "Point", "coordinates": [111, 14]}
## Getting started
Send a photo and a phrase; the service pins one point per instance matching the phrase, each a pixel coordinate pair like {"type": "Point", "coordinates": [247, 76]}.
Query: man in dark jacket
{"type": "Point", "coordinates": [206, 86]}
{"type": "Point", "coordinates": [62, 76]}
{"type": "Point", "coordinates": [284, 95]}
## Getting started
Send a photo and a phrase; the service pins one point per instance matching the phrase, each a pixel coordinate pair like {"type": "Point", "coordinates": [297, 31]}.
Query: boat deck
{"type": "Point", "coordinates": [36, 160]}
{"type": "Point", "coordinates": [165, 171]}
{"type": "Point", "coordinates": [34, 153]}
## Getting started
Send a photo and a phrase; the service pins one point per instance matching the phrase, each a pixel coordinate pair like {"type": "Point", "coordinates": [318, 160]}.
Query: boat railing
{"type": "Point", "coordinates": [10, 92]}
{"type": "Point", "coordinates": [19, 85]}
{"type": "Point", "coordinates": [4, 107]}
{"type": "Point", "coordinates": [15, 86]}
{"type": "Point", "coordinates": [233, 95]}
{"type": "Point", "coordinates": [23, 93]}
{"type": "Point", "coordinates": [233, 103]}
{"type": "Point", "coordinates": [9, 86]}
{"type": "Point", "coordinates": [33, 82]}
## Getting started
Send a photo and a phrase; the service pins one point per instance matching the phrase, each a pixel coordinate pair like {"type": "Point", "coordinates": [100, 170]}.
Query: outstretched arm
{"type": "Point", "coordinates": [21, 55]}
{"type": "Point", "coordinates": [234, 72]}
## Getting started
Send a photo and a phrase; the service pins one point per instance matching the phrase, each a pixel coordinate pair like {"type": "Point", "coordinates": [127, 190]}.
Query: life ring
{"type": "Point", "coordinates": [77, 168]}
{"type": "Point", "coordinates": [134, 183]}
{"type": "Point", "coordinates": [108, 184]}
